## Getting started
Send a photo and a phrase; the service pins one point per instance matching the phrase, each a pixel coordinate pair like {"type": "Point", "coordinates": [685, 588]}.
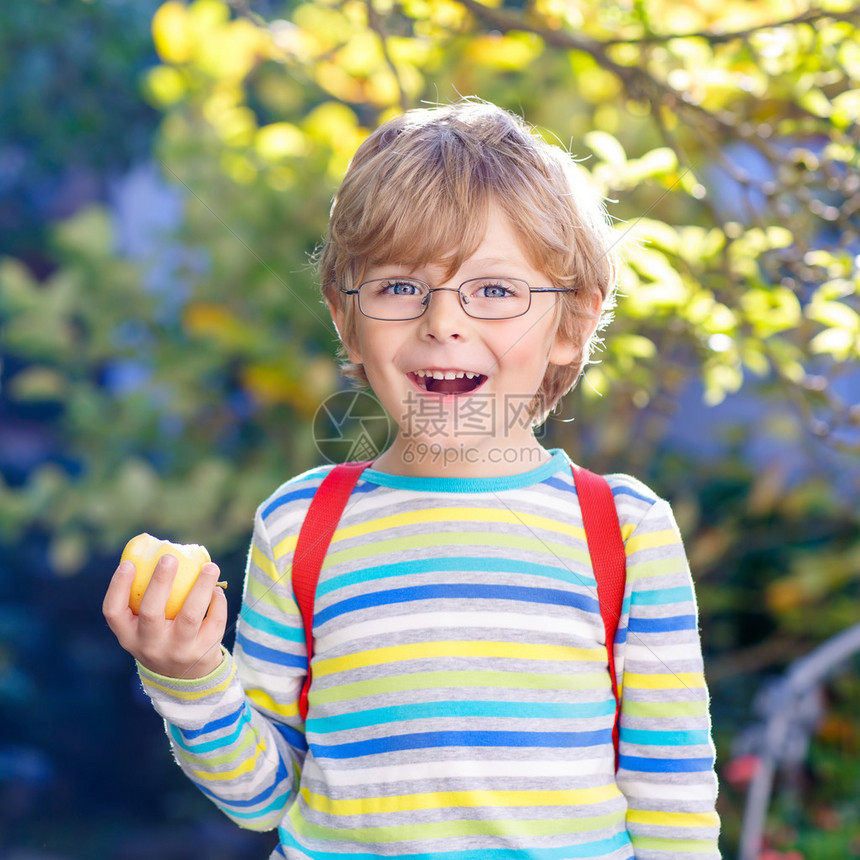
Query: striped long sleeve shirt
{"type": "Point", "coordinates": [461, 707]}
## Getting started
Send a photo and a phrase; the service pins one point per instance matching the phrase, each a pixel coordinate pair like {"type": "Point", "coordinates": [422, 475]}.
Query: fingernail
{"type": "Point", "coordinates": [125, 566]}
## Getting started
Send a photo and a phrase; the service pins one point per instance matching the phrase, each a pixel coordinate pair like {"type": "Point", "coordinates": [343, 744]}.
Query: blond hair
{"type": "Point", "coordinates": [419, 190]}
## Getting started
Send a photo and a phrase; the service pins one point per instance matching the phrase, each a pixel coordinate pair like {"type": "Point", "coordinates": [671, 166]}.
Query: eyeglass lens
{"type": "Point", "coordinates": [483, 298]}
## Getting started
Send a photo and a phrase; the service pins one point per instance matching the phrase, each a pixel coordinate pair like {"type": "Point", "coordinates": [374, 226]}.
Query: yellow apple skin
{"type": "Point", "coordinates": [145, 551]}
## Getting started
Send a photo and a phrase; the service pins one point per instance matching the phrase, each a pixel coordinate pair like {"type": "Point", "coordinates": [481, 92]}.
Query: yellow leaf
{"type": "Point", "coordinates": [846, 108]}
{"type": "Point", "coordinates": [634, 345]}
{"type": "Point", "coordinates": [771, 310]}
{"type": "Point", "coordinates": [834, 315]}
{"type": "Point", "coordinates": [281, 140]}
{"type": "Point", "coordinates": [606, 147]}
{"type": "Point", "coordinates": [237, 127]}
{"type": "Point", "coordinates": [172, 33]}
{"type": "Point", "coordinates": [231, 51]}
{"type": "Point", "coordinates": [165, 86]}
{"type": "Point", "coordinates": [272, 384]}
{"type": "Point", "coordinates": [657, 162]}
{"type": "Point", "coordinates": [505, 53]}
{"type": "Point", "coordinates": [838, 342]}
{"type": "Point", "coordinates": [361, 55]}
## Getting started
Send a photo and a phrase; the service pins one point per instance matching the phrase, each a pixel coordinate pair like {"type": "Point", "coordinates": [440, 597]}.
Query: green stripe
{"type": "Point", "coordinates": [664, 710]}
{"type": "Point", "coordinates": [442, 539]}
{"type": "Point", "coordinates": [442, 680]}
{"type": "Point", "coordinates": [660, 567]}
{"type": "Point", "coordinates": [673, 846]}
{"type": "Point", "coordinates": [457, 829]}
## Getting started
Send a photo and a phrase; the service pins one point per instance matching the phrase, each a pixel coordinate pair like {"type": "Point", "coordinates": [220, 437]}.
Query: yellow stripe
{"type": "Point", "coordinates": [673, 819]}
{"type": "Point", "coordinates": [185, 695]}
{"type": "Point", "coordinates": [682, 680]}
{"type": "Point", "coordinates": [265, 564]}
{"type": "Point", "coordinates": [627, 530]}
{"type": "Point", "coordinates": [285, 546]}
{"type": "Point", "coordinates": [432, 650]}
{"type": "Point", "coordinates": [245, 767]}
{"type": "Point", "coordinates": [263, 700]}
{"type": "Point", "coordinates": [650, 541]}
{"type": "Point", "coordinates": [457, 800]}
{"type": "Point", "coordinates": [464, 515]}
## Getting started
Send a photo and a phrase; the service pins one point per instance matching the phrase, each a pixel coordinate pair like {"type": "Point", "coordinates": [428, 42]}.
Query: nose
{"type": "Point", "coordinates": [444, 317]}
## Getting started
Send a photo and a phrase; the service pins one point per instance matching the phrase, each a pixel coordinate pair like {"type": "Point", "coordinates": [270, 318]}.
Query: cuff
{"type": "Point", "coordinates": [163, 688]}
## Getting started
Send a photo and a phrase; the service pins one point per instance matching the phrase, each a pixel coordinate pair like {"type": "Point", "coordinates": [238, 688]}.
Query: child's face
{"type": "Point", "coordinates": [510, 355]}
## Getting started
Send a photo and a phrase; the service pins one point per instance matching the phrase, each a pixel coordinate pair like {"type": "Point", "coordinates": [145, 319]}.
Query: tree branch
{"type": "Point", "coordinates": [375, 24]}
{"type": "Point", "coordinates": [717, 38]}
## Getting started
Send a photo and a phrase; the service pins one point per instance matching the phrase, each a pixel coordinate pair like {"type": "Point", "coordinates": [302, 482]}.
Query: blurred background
{"type": "Point", "coordinates": [166, 170]}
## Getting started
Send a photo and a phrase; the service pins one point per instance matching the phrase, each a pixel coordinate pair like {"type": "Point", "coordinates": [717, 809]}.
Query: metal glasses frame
{"type": "Point", "coordinates": [464, 302]}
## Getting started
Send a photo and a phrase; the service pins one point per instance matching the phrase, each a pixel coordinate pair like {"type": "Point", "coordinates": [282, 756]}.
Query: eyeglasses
{"type": "Point", "coordinates": [480, 298]}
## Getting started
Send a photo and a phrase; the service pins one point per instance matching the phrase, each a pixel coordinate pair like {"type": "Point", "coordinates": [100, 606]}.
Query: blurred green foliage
{"type": "Point", "coordinates": [67, 71]}
{"type": "Point", "coordinates": [178, 387]}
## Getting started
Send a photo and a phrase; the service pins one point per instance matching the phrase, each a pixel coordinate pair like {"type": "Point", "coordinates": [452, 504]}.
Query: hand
{"type": "Point", "coordinates": [187, 647]}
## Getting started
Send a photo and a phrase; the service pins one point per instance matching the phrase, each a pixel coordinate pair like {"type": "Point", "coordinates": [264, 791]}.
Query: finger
{"type": "Point", "coordinates": [154, 600]}
{"type": "Point", "coordinates": [211, 634]}
{"type": "Point", "coordinates": [115, 604]}
{"type": "Point", "coordinates": [215, 624]}
{"type": "Point", "coordinates": [198, 599]}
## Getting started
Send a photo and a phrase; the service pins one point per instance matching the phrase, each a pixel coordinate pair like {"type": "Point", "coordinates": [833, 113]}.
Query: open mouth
{"type": "Point", "coordinates": [448, 381]}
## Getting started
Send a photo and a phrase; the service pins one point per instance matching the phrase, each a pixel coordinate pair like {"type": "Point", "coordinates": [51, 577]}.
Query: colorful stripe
{"type": "Point", "coordinates": [460, 707]}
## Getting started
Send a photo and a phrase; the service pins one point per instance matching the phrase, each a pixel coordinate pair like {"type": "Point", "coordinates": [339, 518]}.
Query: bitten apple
{"type": "Point", "coordinates": [145, 551]}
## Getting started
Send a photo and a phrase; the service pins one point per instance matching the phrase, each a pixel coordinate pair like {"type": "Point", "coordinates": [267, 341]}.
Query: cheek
{"type": "Point", "coordinates": [525, 346]}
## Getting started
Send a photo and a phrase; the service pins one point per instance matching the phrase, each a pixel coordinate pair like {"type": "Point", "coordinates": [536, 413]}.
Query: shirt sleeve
{"type": "Point", "coordinates": [666, 755]}
{"type": "Point", "coordinates": [237, 733]}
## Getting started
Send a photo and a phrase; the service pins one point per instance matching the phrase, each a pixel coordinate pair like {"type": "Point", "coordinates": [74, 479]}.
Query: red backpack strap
{"type": "Point", "coordinates": [312, 545]}
{"type": "Point", "coordinates": [609, 561]}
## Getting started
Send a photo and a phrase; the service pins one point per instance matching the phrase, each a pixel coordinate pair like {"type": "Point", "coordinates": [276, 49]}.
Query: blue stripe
{"type": "Point", "coordinates": [270, 655]}
{"type": "Point", "coordinates": [665, 765]}
{"type": "Point", "coordinates": [662, 596]}
{"type": "Point", "coordinates": [559, 484]}
{"type": "Point", "coordinates": [459, 709]}
{"type": "Point", "coordinates": [306, 493]}
{"type": "Point", "coordinates": [579, 851]}
{"type": "Point", "coordinates": [433, 740]}
{"type": "Point", "coordinates": [273, 628]}
{"type": "Point", "coordinates": [497, 484]}
{"type": "Point", "coordinates": [214, 725]}
{"type": "Point", "coordinates": [476, 591]}
{"type": "Point", "coordinates": [280, 776]}
{"type": "Point", "coordinates": [293, 737]}
{"type": "Point", "coordinates": [627, 491]}
{"type": "Point", "coordinates": [644, 737]}
{"type": "Point", "coordinates": [207, 746]}
{"type": "Point", "coordinates": [662, 625]}
{"type": "Point", "coordinates": [456, 563]}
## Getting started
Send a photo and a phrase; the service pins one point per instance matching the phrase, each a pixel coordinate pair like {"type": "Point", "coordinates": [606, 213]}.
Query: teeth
{"type": "Point", "coordinates": [446, 374]}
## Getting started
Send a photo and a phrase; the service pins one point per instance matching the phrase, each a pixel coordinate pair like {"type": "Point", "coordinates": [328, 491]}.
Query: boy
{"type": "Point", "coordinates": [460, 705]}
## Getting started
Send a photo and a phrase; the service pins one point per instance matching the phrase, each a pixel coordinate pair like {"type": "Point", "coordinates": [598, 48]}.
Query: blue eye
{"type": "Point", "coordinates": [400, 288]}
{"type": "Point", "coordinates": [493, 290]}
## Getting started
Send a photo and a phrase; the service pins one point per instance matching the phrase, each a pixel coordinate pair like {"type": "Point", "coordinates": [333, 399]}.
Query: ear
{"type": "Point", "coordinates": [339, 319]}
{"type": "Point", "coordinates": [565, 351]}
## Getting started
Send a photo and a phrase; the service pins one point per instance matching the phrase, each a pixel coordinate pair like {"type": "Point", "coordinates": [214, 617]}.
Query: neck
{"type": "Point", "coordinates": [473, 458]}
